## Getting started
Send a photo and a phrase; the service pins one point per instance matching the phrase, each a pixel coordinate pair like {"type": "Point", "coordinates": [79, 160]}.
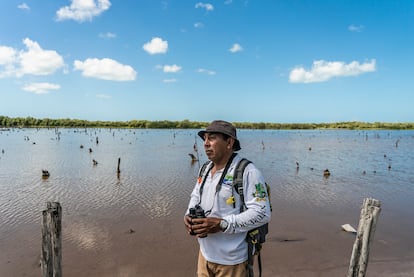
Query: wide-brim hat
{"type": "Point", "coordinates": [223, 127]}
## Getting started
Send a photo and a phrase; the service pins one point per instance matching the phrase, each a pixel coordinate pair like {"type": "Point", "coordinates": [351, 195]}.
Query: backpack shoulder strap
{"type": "Point", "coordinates": [202, 176]}
{"type": "Point", "coordinates": [202, 169]}
{"type": "Point", "coordinates": [238, 180]}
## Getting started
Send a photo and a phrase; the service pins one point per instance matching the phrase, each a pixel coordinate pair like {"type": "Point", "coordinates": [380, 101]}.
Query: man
{"type": "Point", "coordinates": [222, 233]}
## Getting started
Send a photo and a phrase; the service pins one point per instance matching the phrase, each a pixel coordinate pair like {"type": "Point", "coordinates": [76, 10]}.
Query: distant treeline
{"type": "Point", "coordinates": [30, 122]}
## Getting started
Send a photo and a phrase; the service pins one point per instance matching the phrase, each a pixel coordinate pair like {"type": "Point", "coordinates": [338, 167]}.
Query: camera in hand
{"type": "Point", "coordinates": [196, 212]}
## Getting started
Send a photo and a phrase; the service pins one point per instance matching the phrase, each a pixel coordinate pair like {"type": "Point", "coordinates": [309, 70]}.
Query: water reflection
{"type": "Point", "coordinates": [157, 205]}
{"type": "Point", "coordinates": [86, 235]}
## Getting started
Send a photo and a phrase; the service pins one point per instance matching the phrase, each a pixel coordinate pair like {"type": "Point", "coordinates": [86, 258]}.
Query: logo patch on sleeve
{"type": "Point", "coordinates": [260, 193]}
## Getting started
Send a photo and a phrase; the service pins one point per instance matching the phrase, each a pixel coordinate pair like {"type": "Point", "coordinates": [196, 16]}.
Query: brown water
{"type": "Point", "coordinates": [131, 225]}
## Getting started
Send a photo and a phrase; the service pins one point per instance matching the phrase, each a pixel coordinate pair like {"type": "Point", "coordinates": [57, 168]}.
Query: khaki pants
{"type": "Point", "coordinates": [209, 269]}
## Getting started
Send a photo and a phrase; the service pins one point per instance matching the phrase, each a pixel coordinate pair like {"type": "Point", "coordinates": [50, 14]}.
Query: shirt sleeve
{"type": "Point", "coordinates": [256, 200]}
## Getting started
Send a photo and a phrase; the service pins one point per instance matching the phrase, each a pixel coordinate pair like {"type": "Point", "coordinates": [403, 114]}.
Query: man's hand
{"type": "Point", "coordinates": [188, 225]}
{"type": "Point", "coordinates": [202, 226]}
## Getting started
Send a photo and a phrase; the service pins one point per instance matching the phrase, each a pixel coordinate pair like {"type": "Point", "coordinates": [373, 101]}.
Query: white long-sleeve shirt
{"type": "Point", "coordinates": [229, 247]}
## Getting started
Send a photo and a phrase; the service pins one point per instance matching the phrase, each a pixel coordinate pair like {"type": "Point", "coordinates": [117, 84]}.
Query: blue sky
{"type": "Point", "coordinates": [239, 60]}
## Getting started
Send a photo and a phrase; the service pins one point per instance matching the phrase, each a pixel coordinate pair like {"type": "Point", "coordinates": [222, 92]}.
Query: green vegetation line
{"type": "Point", "coordinates": [30, 122]}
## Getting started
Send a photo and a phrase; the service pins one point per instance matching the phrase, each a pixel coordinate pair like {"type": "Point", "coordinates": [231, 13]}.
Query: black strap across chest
{"type": "Point", "coordinates": [218, 186]}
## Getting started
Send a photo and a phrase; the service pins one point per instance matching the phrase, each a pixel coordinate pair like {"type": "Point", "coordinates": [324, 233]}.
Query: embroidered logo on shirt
{"type": "Point", "coordinates": [260, 193]}
{"type": "Point", "coordinates": [228, 180]}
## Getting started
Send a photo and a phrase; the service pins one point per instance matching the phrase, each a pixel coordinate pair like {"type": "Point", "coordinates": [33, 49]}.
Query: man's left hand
{"type": "Point", "coordinates": [202, 226]}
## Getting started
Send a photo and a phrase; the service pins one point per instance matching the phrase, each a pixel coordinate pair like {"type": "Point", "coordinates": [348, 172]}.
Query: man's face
{"type": "Point", "coordinates": [216, 147]}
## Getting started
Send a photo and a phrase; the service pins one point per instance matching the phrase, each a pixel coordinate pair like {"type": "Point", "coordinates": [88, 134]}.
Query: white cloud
{"type": "Point", "coordinates": [107, 35]}
{"type": "Point", "coordinates": [7, 55]}
{"type": "Point", "coordinates": [173, 80]}
{"type": "Point", "coordinates": [198, 25]}
{"type": "Point", "coordinates": [236, 48]}
{"type": "Point", "coordinates": [206, 6]}
{"type": "Point", "coordinates": [23, 6]}
{"type": "Point", "coordinates": [228, 2]}
{"type": "Point", "coordinates": [82, 10]}
{"type": "Point", "coordinates": [37, 61]}
{"type": "Point", "coordinates": [40, 88]}
{"type": "Point", "coordinates": [105, 69]}
{"type": "Point", "coordinates": [156, 46]}
{"type": "Point", "coordinates": [103, 96]}
{"type": "Point", "coordinates": [34, 61]}
{"type": "Point", "coordinates": [323, 71]}
{"type": "Point", "coordinates": [171, 68]}
{"type": "Point", "coordinates": [206, 71]}
{"type": "Point", "coordinates": [356, 28]}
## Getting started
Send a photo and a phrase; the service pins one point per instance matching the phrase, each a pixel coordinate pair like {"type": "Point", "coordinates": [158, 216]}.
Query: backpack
{"type": "Point", "coordinates": [256, 237]}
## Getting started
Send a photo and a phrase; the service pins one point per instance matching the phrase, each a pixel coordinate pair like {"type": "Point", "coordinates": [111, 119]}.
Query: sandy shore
{"type": "Point", "coordinates": [300, 243]}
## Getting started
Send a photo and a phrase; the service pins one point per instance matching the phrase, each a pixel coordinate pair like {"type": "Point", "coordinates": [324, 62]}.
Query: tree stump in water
{"type": "Point", "coordinates": [367, 224]}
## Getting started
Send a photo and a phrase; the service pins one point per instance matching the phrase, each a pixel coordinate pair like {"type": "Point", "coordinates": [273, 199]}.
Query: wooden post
{"type": "Point", "coordinates": [367, 223]}
{"type": "Point", "coordinates": [118, 170]}
{"type": "Point", "coordinates": [51, 256]}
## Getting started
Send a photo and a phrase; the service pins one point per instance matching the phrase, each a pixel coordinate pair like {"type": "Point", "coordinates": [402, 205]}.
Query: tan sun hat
{"type": "Point", "coordinates": [223, 127]}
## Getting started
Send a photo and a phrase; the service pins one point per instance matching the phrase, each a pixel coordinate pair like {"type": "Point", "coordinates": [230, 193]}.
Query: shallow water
{"type": "Point", "coordinates": [157, 176]}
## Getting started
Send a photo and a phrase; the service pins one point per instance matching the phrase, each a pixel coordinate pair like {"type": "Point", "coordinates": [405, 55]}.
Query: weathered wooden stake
{"type": "Point", "coordinates": [51, 256]}
{"type": "Point", "coordinates": [119, 168]}
{"type": "Point", "coordinates": [367, 223]}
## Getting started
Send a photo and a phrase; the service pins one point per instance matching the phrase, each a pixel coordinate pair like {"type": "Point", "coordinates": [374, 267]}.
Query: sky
{"type": "Point", "coordinates": [281, 61]}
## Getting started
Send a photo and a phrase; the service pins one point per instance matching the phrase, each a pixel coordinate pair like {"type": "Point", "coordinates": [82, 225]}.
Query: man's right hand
{"type": "Point", "coordinates": [188, 224]}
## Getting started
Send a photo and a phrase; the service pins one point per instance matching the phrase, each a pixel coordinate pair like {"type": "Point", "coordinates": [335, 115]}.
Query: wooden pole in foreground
{"type": "Point", "coordinates": [367, 224]}
{"type": "Point", "coordinates": [51, 256]}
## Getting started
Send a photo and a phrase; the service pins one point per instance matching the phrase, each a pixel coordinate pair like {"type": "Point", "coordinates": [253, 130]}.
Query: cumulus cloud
{"type": "Point", "coordinates": [34, 61]}
{"type": "Point", "coordinates": [82, 10]}
{"type": "Point", "coordinates": [23, 6]}
{"type": "Point", "coordinates": [7, 55]}
{"type": "Point", "coordinates": [37, 61]}
{"type": "Point", "coordinates": [323, 71]}
{"type": "Point", "coordinates": [198, 25]}
{"type": "Point", "coordinates": [206, 71]}
{"type": "Point", "coordinates": [356, 28]}
{"type": "Point", "coordinates": [171, 68]}
{"type": "Point", "coordinates": [236, 48]}
{"type": "Point", "coordinates": [156, 46]}
{"type": "Point", "coordinates": [105, 69]}
{"type": "Point", "coordinates": [206, 6]}
{"type": "Point", "coordinates": [40, 88]}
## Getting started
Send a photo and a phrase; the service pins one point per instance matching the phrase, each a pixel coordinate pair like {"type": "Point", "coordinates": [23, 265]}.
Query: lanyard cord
{"type": "Point", "coordinates": [218, 186]}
